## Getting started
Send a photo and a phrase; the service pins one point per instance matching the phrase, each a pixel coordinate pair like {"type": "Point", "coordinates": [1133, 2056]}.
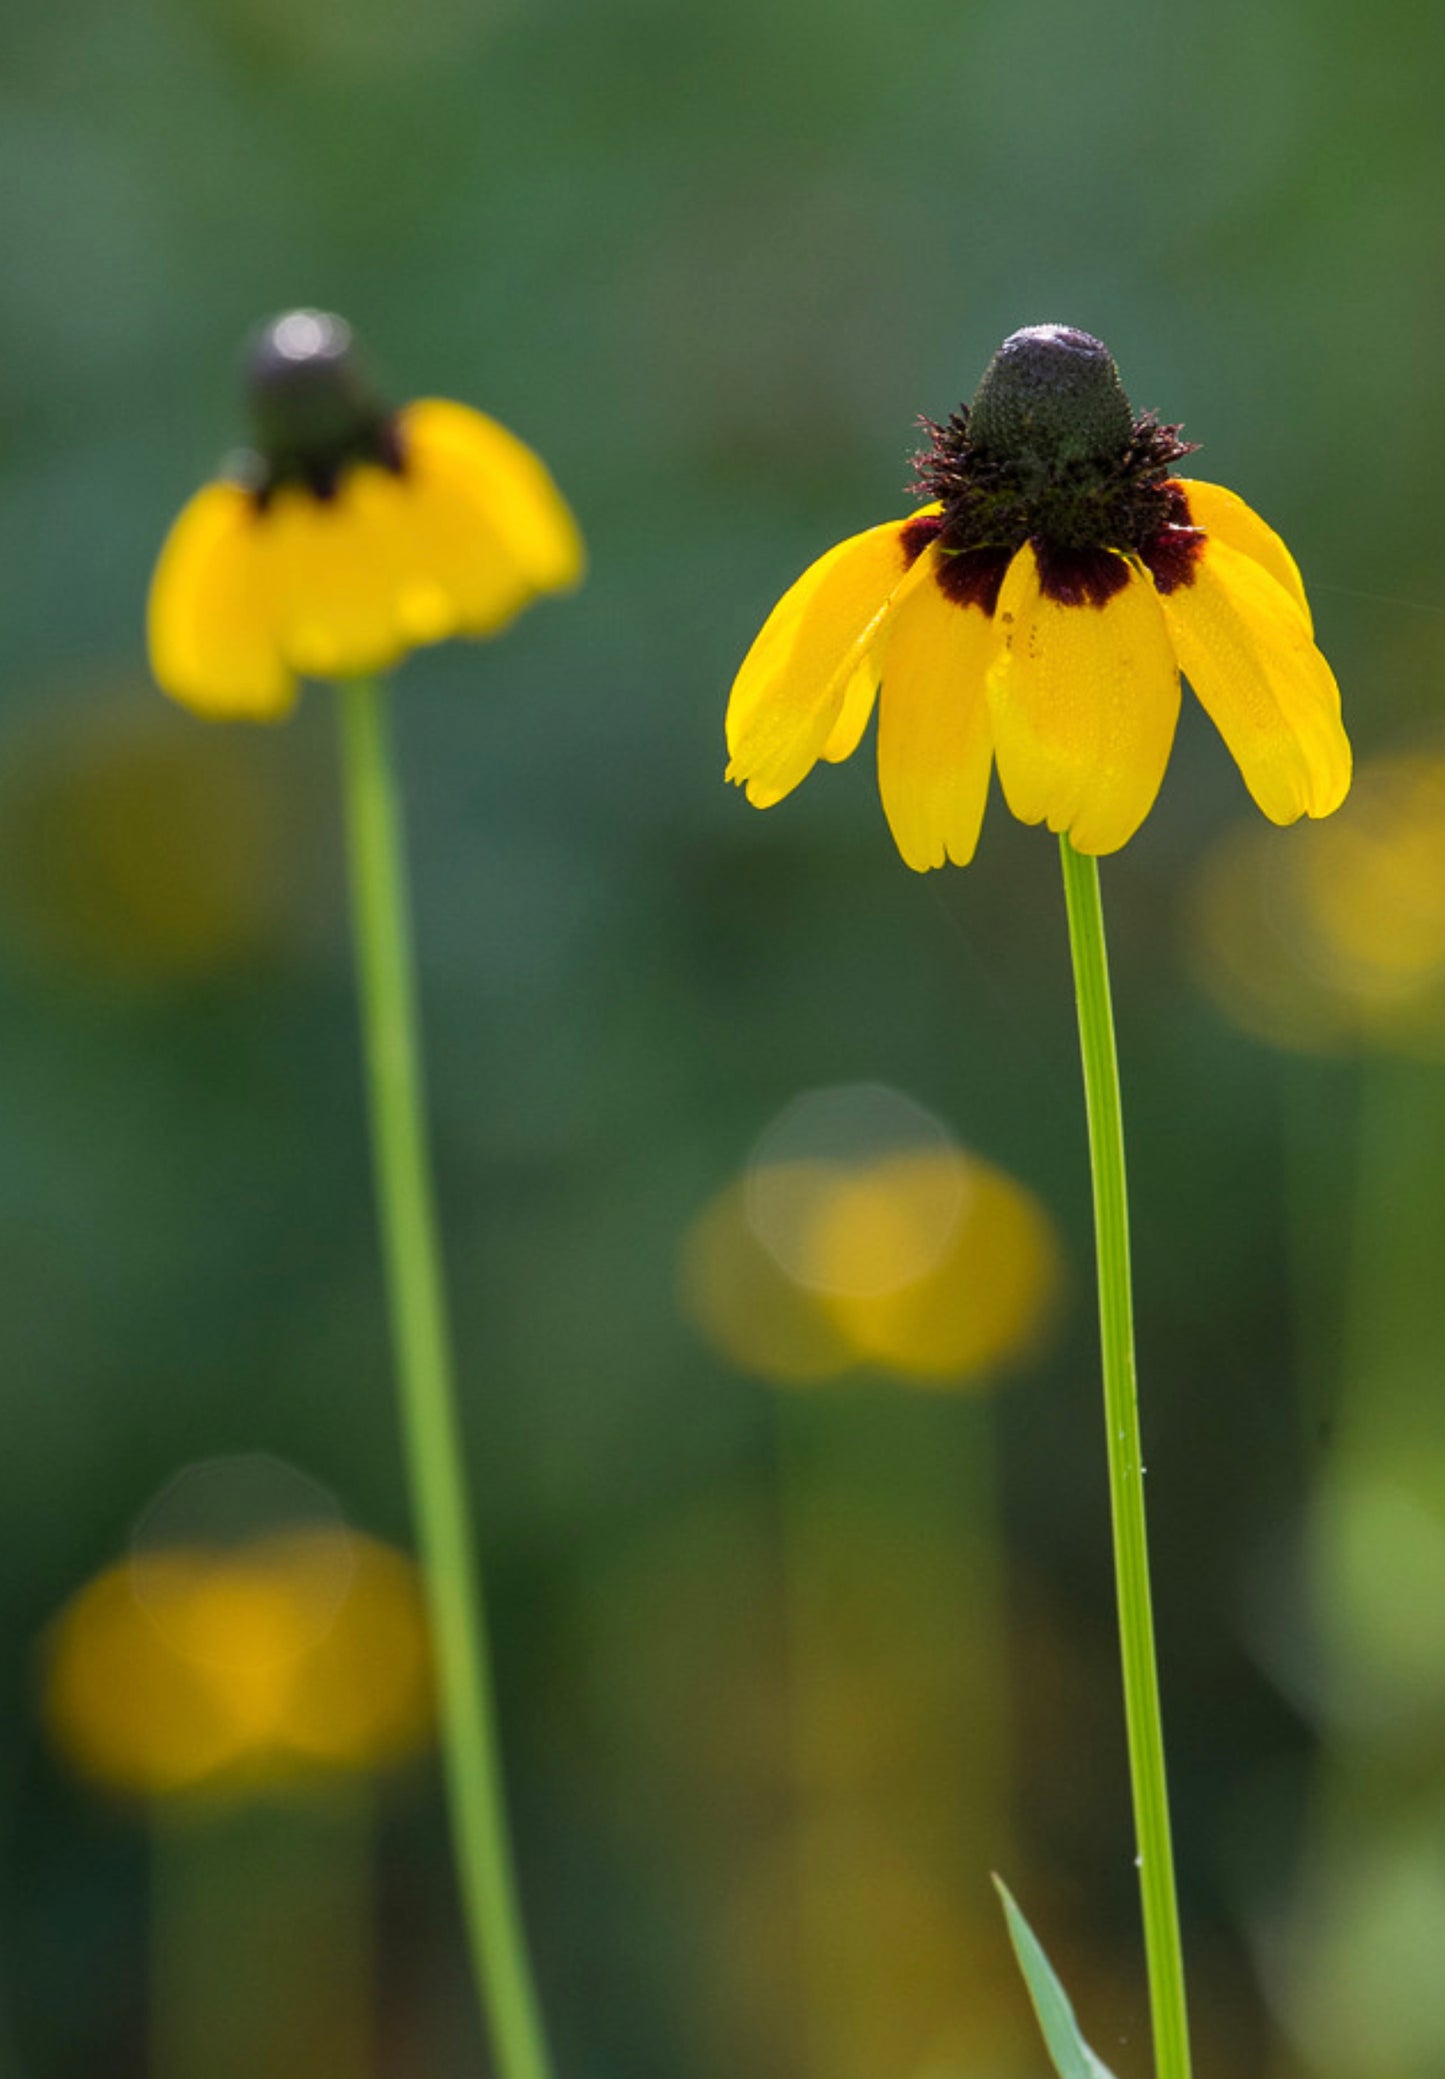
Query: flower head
{"type": "Point", "coordinates": [1338, 942]}
{"type": "Point", "coordinates": [862, 1233]}
{"type": "Point", "coordinates": [348, 534]}
{"type": "Point", "coordinates": [193, 1667]}
{"type": "Point", "coordinates": [1036, 612]}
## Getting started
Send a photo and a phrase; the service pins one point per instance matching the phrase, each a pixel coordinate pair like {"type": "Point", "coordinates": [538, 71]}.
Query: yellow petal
{"type": "Point", "coordinates": [1271, 695]}
{"type": "Point", "coordinates": [789, 694]}
{"type": "Point", "coordinates": [331, 574]}
{"type": "Point", "coordinates": [1084, 700]}
{"type": "Point", "coordinates": [451, 570]}
{"type": "Point", "coordinates": [208, 625]}
{"type": "Point", "coordinates": [509, 486]}
{"type": "Point", "coordinates": [1228, 519]}
{"type": "Point", "coordinates": [935, 743]}
{"type": "Point", "coordinates": [125, 1708]}
{"type": "Point", "coordinates": [854, 715]}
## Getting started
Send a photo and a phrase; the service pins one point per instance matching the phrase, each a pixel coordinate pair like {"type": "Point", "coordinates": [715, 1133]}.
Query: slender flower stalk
{"type": "Point", "coordinates": [424, 1371]}
{"type": "Point", "coordinates": [1126, 1469]}
{"type": "Point", "coordinates": [1034, 616]}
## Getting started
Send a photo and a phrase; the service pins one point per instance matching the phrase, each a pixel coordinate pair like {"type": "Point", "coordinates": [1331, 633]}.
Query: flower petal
{"type": "Point", "coordinates": [208, 627]}
{"type": "Point", "coordinates": [935, 742]}
{"type": "Point", "coordinates": [790, 691]}
{"type": "Point", "coordinates": [1084, 701]}
{"type": "Point", "coordinates": [331, 576]}
{"type": "Point", "coordinates": [855, 713]}
{"type": "Point", "coordinates": [450, 569]}
{"type": "Point", "coordinates": [1225, 516]}
{"type": "Point", "coordinates": [1271, 695]}
{"type": "Point", "coordinates": [504, 482]}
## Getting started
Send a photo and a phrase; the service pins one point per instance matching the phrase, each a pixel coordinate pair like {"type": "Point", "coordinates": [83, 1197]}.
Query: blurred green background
{"type": "Point", "coordinates": [712, 261]}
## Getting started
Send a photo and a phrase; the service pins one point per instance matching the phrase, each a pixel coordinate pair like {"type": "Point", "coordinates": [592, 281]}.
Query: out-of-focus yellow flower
{"type": "Point", "coordinates": [762, 1319]}
{"type": "Point", "coordinates": [987, 1300]}
{"type": "Point", "coordinates": [1038, 612]}
{"type": "Point", "coordinates": [928, 1263]}
{"type": "Point", "coordinates": [188, 1668]}
{"type": "Point", "coordinates": [348, 536]}
{"type": "Point", "coordinates": [135, 851]}
{"type": "Point", "coordinates": [1340, 940]}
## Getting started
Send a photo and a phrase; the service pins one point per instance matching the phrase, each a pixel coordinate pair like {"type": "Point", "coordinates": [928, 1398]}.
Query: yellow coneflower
{"type": "Point", "coordinates": [927, 1263]}
{"type": "Point", "coordinates": [232, 1669]}
{"type": "Point", "coordinates": [1037, 612]}
{"type": "Point", "coordinates": [1337, 943]}
{"type": "Point", "coordinates": [348, 535]}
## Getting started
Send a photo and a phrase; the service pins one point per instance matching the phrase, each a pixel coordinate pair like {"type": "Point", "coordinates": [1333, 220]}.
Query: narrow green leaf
{"type": "Point", "coordinates": [1072, 2057]}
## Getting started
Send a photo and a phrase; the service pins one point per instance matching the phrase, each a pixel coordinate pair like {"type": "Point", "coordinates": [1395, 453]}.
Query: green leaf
{"type": "Point", "coordinates": [1072, 2057]}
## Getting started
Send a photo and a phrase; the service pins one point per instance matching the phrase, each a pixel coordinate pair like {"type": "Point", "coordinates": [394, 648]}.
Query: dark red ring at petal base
{"type": "Point", "coordinates": [967, 577]}
{"type": "Point", "coordinates": [973, 577]}
{"type": "Point", "coordinates": [1170, 556]}
{"type": "Point", "coordinates": [916, 535]}
{"type": "Point", "coordinates": [1080, 577]}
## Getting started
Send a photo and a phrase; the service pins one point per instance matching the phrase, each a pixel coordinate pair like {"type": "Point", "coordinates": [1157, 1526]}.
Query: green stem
{"type": "Point", "coordinates": [262, 1936]}
{"type": "Point", "coordinates": [1126, 1470]}
{"type": "Point", "coordinates": [424, 1370]}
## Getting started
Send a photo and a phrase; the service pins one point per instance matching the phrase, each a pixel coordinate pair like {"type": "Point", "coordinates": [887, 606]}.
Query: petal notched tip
{"type": "Point", "coordinates": [806, 687]}
{"type": "Point", "coordinates": [1249, 655]}
{"type": "Point", "coordinates": [755, 791]}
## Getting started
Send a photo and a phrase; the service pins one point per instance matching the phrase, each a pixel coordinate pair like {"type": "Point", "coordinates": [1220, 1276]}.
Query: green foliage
{"type": "Point", "coordinates": [1072, 2057]}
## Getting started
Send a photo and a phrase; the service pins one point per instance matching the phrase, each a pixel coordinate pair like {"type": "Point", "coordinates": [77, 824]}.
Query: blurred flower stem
{"type": "Point", "coordinates": [899, 1742]}
{"type": "Point", "coordinates": [263, 1935]}
{"type": "Point", "coordinates": [424, 1372]}
{"type": "Point", "coordinates": [1126, 1470]}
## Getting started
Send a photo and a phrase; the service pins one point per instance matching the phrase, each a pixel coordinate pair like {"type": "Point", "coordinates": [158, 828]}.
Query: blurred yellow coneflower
{"type": "Point", "coordinates": [349, 535]}
{"type": "Point", "coordinates": [233, 1669]}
